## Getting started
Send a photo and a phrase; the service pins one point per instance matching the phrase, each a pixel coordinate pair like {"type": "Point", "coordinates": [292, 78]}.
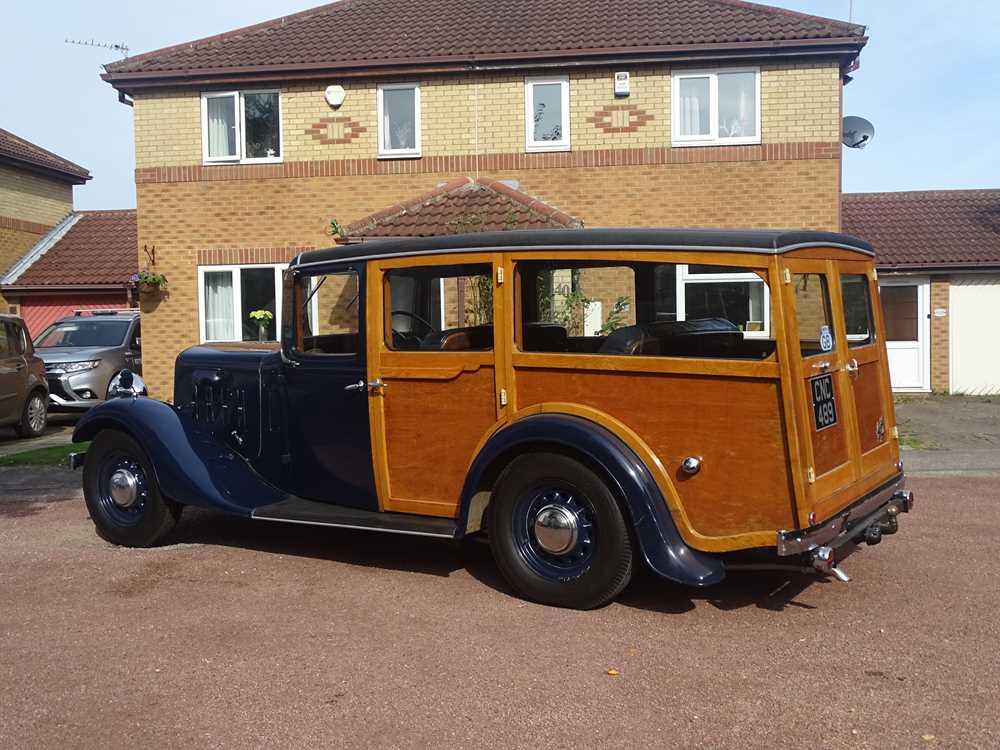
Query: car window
{"type": "Point", "coordinates": [327, 314]}
{"type": "Point", "coordinates": [646, 309]}
{"type": "Point", "coordinates": [441, 308]}
{"type": "Point", "coordinates": [5, 340]}
{"type": "Point", "coordinates": [857, 309]}
{"type": "Point", "coordinates": [84, 332]}
{"type": "Point", "coordinates": [812, 312]}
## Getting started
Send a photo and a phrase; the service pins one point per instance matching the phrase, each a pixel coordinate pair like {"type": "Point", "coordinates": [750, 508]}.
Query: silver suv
{"type": "Point", "coordinates": [22, 380]}
{"type": "Point", "coordinates": [82, 353]}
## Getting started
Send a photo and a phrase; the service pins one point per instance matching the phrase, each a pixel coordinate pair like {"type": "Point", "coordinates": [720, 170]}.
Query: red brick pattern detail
{"type": "Point", "coordinates": [607, 157]}
{"type": "Point", "coordinates": [335, 130]}
{"type": "Point", "coordinates": [620, 118]}
{"type": "Point", "coordinates": [18, 225]}
{"type": "Point", "coordinates": [244, 256]}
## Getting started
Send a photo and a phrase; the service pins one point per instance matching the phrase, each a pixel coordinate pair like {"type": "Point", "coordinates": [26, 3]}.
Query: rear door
{"type": "Point", "coordinates": [825, 398]}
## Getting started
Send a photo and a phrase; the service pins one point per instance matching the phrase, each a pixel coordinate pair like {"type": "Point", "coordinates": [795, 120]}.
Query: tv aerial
{"type": "Point", "coordinates": [857, 132]}
{"type": "Point", "coordinates": [119, 47]}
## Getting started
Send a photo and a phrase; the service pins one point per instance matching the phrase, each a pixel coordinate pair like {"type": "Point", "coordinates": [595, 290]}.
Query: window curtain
{"type": "Point", "coordinates": [219, 306]}
{"type": "Point", "coordinates": [221, 126]}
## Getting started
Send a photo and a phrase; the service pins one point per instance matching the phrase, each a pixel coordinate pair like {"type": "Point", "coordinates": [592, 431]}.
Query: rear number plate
{"type": "Point", "coordinates": [824, 404]}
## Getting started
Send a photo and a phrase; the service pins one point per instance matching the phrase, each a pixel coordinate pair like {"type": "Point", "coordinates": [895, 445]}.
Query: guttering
{"type": "Point", "coordinates": [940, 268]}
{"type": "Point", "coordinates": [36, 289]}
{"type": "Point", "coordinates": [74, 178]}
{"type": "Point", "coordinates": [845, 47]}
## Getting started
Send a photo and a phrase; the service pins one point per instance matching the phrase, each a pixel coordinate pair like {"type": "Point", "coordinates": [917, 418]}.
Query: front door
{"type": "Point", "coordinates": [906, 310]}
{"type": "Point", "coordinates": [433, 359]}
{"type": "Point", "coordinates": [325, 392]}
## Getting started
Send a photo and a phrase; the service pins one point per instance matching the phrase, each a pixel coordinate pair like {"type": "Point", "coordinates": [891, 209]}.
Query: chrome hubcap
{"type": "Point", "coordinates": [124, 488]}
{"type": "Point", "coordinates": [36, 413]}
{"type": "Point", "coordinates": [556, 529]}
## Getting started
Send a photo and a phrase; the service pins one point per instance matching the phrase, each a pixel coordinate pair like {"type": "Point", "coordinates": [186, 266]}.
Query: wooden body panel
{"type": "Point", "coordinates": [744, 484]}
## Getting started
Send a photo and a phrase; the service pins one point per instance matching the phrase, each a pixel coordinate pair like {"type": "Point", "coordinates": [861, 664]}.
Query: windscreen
{"type": "Point", "coordinates": [83, 333]}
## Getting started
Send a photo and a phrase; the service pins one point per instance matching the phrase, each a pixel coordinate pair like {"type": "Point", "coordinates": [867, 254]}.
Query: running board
{"type": "Point", "coordinates": [312, 513]}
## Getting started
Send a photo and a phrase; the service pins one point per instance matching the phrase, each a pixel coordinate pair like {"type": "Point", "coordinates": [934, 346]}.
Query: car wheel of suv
{"type": "Point", "coordinates": [122, 495]}
{"type": "Point", "coordinates": [34, 416]}
{"type": "Point", "coordinates": [557, 533]}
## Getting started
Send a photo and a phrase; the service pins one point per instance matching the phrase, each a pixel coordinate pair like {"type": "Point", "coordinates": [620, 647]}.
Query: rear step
{"type": "Point", "coordinates": [310, 512]}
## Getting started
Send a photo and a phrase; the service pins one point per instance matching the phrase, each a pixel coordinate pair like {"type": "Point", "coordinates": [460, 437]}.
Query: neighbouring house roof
{"type": "Point", "coordinates": [927, 229]}
{"type": "Point", "coordinates": [461, 206]}
{"type": "Point", "coordinates": [21, 153]}
{"type": "Point", "coordinates": [87, 249]}
{"type": "Point", "coordinates": [439, 35]}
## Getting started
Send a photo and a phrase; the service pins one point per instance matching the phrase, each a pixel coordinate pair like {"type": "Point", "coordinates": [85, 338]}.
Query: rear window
{"type": "Point", "coordinates": [83, 332]}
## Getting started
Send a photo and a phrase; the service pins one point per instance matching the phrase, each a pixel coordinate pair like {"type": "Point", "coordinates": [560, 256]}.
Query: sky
{"type": "Point", "coordinates": [929, 81]}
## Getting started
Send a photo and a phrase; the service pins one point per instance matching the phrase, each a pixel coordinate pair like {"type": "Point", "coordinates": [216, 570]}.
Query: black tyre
{"type": "Point", "coordinates": [558, 534]}
{"type": "Point", "coordinates": [122, 495]}
{"type": "Point", "coordinates": [34, 415]}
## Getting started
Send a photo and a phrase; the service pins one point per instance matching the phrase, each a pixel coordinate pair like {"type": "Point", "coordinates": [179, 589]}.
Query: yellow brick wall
{"type": "Point", "coordinates": [940, 334]}
{"type": "Point", "coordinates": [13, 244]}
{"type": "Point", "coordinates": [181, 219]}
{"type": "Point", "coordinates": [799, 103]}
{"type": "Point", "coordinates": [32, 197]}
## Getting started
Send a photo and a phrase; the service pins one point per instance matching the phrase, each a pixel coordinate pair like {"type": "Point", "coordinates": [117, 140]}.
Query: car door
{"type": "Point", "coordinates": [435, 359]}
{"type": "Point", "coordinates": [13, 372]}
{"type": "Point", "coordinates": [325, 394]}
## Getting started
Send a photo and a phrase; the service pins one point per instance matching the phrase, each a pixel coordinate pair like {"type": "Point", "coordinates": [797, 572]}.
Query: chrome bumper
{"type": "Point", "coordinates": [888, 500]}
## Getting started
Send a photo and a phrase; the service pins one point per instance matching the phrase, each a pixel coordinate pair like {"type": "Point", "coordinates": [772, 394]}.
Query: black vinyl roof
{"type": "Point", "coordinates": [724, 240]}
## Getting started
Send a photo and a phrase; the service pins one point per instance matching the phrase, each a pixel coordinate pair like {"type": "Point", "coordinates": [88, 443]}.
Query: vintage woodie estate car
{"type": "Point", "coordinates": [590, 400]}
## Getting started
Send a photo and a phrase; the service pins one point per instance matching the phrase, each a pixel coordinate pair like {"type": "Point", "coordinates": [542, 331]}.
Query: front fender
{"type": "Point", "coordinates": [660, 542]}
{"type": "Point", "coordinates": [191, 466]}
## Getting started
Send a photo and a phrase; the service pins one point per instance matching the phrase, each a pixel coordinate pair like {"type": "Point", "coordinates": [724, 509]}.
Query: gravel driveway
{"type": "Point", "coordinates": [243, 634]}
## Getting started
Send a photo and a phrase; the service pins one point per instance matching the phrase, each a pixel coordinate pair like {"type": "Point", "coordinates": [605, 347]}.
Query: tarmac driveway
{"type": "Point", "coordinates": [950, 433]}
{"type": "Point", "coordinates": [244, 634]}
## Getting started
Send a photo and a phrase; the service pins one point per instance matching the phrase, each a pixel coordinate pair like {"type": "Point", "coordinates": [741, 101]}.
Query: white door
{"type": "Point", "coordinates": [975, 347]}
{"type": "Point", "coordinates": [906, 311]}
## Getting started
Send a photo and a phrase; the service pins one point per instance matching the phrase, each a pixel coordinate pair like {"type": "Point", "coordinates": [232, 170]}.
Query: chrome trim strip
{"type": "Point", "coordinates": [804, 540]}
{"type": "Point", "coordinates": [351, 526]}
{"type": "Point", "coordinates": [572, 248]}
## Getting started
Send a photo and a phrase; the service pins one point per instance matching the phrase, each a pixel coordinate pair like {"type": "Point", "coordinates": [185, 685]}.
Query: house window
{"type": "Point", "coordinates": [241, 127]}
{"type": "Point", "coordinates": [716, 107]}
{"type": "Point", "coordinates": [546, 114]}
{"type": "Point", "coordinates": [735, 294]}
{"type": "Point", "coordinates": [227, 295]}
{"type": "Point", "coordinates": [399, 120]}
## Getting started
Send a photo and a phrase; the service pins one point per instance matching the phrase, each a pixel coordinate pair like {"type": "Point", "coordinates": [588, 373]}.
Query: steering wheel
{"type": "Point", "coordinates": [412, 335]}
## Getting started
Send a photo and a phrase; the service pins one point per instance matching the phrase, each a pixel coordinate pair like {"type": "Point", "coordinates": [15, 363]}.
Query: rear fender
{"type": "Point", "coordinates": [660, 542]}
{"type": "Point", "coordinates": [191, 466]}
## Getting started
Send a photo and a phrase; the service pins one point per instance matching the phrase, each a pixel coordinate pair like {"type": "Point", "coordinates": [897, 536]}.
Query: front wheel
{"type": "Point", "coordinates": [558, 534]}
{"type": "Point", "coordinates": [122, 495]}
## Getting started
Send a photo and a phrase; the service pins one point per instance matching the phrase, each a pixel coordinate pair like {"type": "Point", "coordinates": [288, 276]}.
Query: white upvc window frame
{"type": "Point", "coordinates": [240, 156]}
{"type": "Point", "coordinates": [530, 144]}
{"type": "Point", "coordinates": [712, 138]}
{"type": "Point", "coordinates": [238, 299]}
{"type": "Point", "coordinates": [685, 277]}
{"type": "Point", "coordinates": [398, 153]}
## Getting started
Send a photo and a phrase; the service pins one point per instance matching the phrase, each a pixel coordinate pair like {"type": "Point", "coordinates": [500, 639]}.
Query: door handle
{"type": "Point", "coordinates": [852, 367]}
{"type": "Point", "coordinates": [359, 386]}
{"type": "Point", "coordinates": [824, 366]}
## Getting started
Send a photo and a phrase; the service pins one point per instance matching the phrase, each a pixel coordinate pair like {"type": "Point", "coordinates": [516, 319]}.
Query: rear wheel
{"type": "Point", "coordinates": [34, 416]}
{"type": "Point", "coordinates": [557, 533]}
{"type": "Point", "coordinates": [122, 495]}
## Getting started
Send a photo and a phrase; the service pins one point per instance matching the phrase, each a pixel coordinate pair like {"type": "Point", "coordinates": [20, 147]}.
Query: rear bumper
{"type": "Point", "coordinates": [879, 506]}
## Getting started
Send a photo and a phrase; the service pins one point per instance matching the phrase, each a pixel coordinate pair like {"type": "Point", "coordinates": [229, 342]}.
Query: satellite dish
{"type": "Point", "coordinates": [858, 132]}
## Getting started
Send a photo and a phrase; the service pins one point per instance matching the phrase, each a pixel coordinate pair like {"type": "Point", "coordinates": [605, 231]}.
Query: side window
{"type": "Point", "coordinates": [6, 343]}
{"type": "Point", "coordinates": [857, 309]}
{"type": "Point", "coordinates": [812, 312]}
{"type": "Point", "coordinates": [136, 343]}
{"type": "Point", "coordinates": [327, 317]}
{"type": "Point", "coordinates": [440, 308]}
{"type": "Point", "coordinates": [649, 309]}
{"type": "Point", "coordinates": [19, 339]}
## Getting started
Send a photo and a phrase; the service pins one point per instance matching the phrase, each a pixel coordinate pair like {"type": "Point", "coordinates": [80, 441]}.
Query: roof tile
{"type": "Point", "coordinates": [25, 152]}
{"type": "Point", "coordinates": [927, 228]}
{"type": "Point", "coordinates": [359, 33]}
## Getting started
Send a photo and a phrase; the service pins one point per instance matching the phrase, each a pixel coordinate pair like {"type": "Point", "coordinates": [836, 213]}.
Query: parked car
{"type": "Point", "coordinates": [23, 393]}
{"type": "Point", "coordinates": [591, 399]}
{"type": "Point", "coordinates": [84, 352]}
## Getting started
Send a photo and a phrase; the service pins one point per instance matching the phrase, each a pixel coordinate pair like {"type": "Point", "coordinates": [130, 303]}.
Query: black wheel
{"type": "Point", "coordinates": [557, 533]}
{"type": "Point", "coordinates": [122, 495]}
{"type": "Point", "coordinates": [34, 416]}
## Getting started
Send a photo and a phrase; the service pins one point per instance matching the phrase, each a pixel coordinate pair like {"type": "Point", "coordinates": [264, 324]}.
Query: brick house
{"type": "Point", "coordinates": [36, 194]}
{"type": "Point", "coordinates": [938, 256]}
{"type": "Point", "coordinates": [85, 262]}
{"type": "Point", "coordinates": [662, 113]}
